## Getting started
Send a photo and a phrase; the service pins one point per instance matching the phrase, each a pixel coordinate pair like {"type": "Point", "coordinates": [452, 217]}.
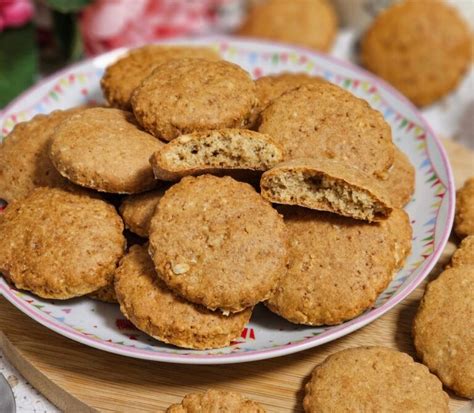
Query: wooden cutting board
{"type": "Point", "coordinates": [80, 379]}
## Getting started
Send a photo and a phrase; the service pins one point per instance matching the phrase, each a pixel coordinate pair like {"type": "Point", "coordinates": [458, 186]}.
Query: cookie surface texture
{"type": "Point", "coordinates": [464, 255]}
{"type": "Point", "coordinates": [464, 219]}
{"type": "Point", "coordinates": [217, 243]}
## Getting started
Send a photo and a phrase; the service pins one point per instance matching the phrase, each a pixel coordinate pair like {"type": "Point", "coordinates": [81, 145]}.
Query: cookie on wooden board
{"type": "Point", "coordinates": [153, 308]}
{"type": "Point", "coordinates": [464, 219]}
{"type": "Point", "coordinates": [218, 243]}
{"type": "Point", "coordinates": [373, 379]}
{"type": "Point", "coordinates": [60, 244]}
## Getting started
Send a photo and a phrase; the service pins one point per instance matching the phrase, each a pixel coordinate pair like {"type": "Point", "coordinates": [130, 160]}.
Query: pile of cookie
{"type": "Point", "coordinates": [286, 191]}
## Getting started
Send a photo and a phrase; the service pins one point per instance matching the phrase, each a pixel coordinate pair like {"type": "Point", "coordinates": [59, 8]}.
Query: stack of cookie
{"type": "Point", "coordinates": [272, 191]}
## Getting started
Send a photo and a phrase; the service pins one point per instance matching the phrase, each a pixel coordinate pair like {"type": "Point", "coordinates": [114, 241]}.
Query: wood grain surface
{"type": "Point", "coordinates": [80, 379]}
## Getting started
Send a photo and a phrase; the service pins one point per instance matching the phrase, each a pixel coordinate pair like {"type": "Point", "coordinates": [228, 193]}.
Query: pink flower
{"type": "Point", "coordinates": [15, 13]}
{"type": "Point", "coordinates": [107, 24]}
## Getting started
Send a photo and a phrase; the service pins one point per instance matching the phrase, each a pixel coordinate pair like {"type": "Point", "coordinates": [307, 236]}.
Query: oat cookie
{"type": "Point", "coordinates": [188, 95]}
{"type": "Point", "coordinates": [373, 380]}
{"type": "Point", "coordinates": [326, 185]}
{"type": "Point", "coordinates": [310, 23]}
{"type": "Point", "coordinates": [324, 121]}
{"type": "Point", "coordinates": [464, 255]}
{"type": "Point", "coordinates": [125, 75]}
{"type": "Point", "coordinates": [215, 151]}
{"type": "Point", "coordinates": [137, 210]}
{"type": "Point", "coordinates": [60, 244]}
{"type": "Point", "coordinates": [464, 219]}
{"type": "Point", "coordinates": [337, 267]}
{"type": "Point", "coordinates": [153, 308]}
{"type": "Point", "coordinates": [216, 401]}
{"type": "Point", "coordinates": [424, 64]}
{"type": "Point", "coordinates": [103, 149]}
{"type": "Point", "coordinates": [443, 329]}
{"type": "Point", "coordinates": [217, 243]}
{"type": "Point", "coordinates": [24, 157]}
{"type": "Point", "coordinates": [399, 226]}
{"type": "Point", "coordinates": [105, 294]}
{"type": "Point", "coordinates": [399, 184]}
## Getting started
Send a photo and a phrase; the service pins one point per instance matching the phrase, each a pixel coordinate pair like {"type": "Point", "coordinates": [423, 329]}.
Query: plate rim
{"type": "Point", "coordinates": [282, 350]}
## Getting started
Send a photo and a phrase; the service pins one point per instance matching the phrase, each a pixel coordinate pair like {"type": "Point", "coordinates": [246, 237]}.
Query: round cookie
{"type": "Point", "coordinates": [153, 308]}
{"type": "Point", "coordinates": [105, 294]}
{"type": "Point", "coordinates": [373, 379]}
{"type": "Point", "coordinates": [400, 228]}
{"type": "Point", "coordinates": [443, 329]}
{"type": "Point", "coordinates": [103, 149]}
{"type": "Point", "coordinates": [24, 157]}
{"type": "Point", "coordinates": [188, 95]}
{"type": "Point", "coordinates": [310, 23]}
{"type": "Point", "coordinates": [217, 243]}
{"type": "Point", "coordinates": [464, 219]}
{"type": "Point", "coordinates": [326, 121]}
{"type": "Point", "coordinates": [216, 401]}
{"type": "Point", "coordinates": [424, 64]}
{"type": "Point", "coordinates": [337, 267]}
{"type": "Point", "coordinates": [399, 183]}
{"type": "Point", "coordinates": [137, 210]}
{"type": "Point", "coordinates": [464, 255]}
{"type": "Point", "coordinates": [60, 244]}
{"type": "Point", "coordinates": [125, 75]}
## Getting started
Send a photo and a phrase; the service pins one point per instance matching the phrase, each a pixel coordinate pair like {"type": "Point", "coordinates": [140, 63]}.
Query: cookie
{"type": "Point", "coordinates": [399, 184]}
{"type": "Point", "coordinates": [153, 308]}
{"type": "Point", "coordinates": [443, 329]}
{"type": "Point", "coordinates": [125, 75]}
{"type": "Point", "coordinates": [137, 210]}
{"type": "Point", "coordinates": [105, 294]}
{"type": "Point", "coordinates": [326, 185]}
{"type": "Point", "coordinates": [188, 95]}
{"type": "Point", "coordinates": [217, 243]}
{"type": "Point", "coordinates": [400, 228]}
{"type": "Point", "coordinates": [464, 255]}
{"type": "Point", "coordinates": [324, 121]}
{"type": "Point", "coordinates": [216, 401]}
{"type": "Point", "coordinates": [424, 64]}
{"type": "Point", "coordinates": [464, 219]}
{"type": "Point", "coordinates": [373, 379]}
{"type": "Point", "coordinates": [103, 149]}
{"type": "Point", "coordinates": [215, 151]}
{"type": "Point", "coordinates": [24, 157]}
{"type": "Point", "coordinates": [60, 244]}
{"type": "Point", "coordinates": [306, 23]}
{"type": "Point", "coordinates": [338, 266]}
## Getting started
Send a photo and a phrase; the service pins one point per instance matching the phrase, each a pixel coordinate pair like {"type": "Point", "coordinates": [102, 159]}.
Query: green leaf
{"type": "Point", "coordinates": [18, 61]}
{"type": "Point", "coordinates": [68, 6]}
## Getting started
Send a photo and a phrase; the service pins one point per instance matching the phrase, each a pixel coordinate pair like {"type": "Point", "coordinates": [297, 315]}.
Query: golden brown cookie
{"type": "Point", "coordinates": [310, 23]}
{"type": "Point", "coordinates": [400, 228]}
{"type": "Point", "coordinates": [103, 149]}
{"type": "Point", "coordinates": [337, 267]}
{"type": "Point", "coordinates": [423, 63]}
{"type": "Point", "coordinates": [137, 210]}
{"type": "Point", "coordinates": [125, 75]}
{"type": "Point", "coordinates": [217, 243]}
{"type": "Point", "coordinates": [326, 185]}
{"type": "Point", "coordinates": [373, 380]}
{"type": "Point", "coordinates": [60, 244]}
{"type": "Point", "coordinates": [105, 294]}
{"type": "Point", "coordinates": [217, 401]}
{"type": "Point", "coordinates": [443, 329]}
{"type": "Point", "coordinates": [153, 308]}
{"type": "Point", "coordinates": [321, 120]}
{"type": "Point", "coordinates": [464, 219]}
{"type": "Point", "coordinates": [213, 151]}
{"type": "Point", "coordinates": [399, 184]}
{"type": "Point", "coordinates": [188, 95]}
{"type": "Point", "coordinates": [24, 157]}
{"type": "Point", "coordinates": [464, 255]}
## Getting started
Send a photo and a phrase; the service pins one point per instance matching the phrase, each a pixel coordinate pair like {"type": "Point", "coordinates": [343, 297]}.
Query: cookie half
{"type": "Point", "coordinates": [153, 308]}
{"type": "Point", "coordinates": [214, 151]}
{"type": "Point", "coordinates": [60, 244]}
{"type": "Point", "coordinates": [373, 379]}
{"type": "Point", "coordinates": [189, 95]}
{"type": "Point", "coordinates": [218, 243]}
{"type": "Point", "coordinates": [464, 219]}
{"type": "Point", "coordinates": [443, 329]}
{"type": "Point", "coordinates": [326, 185]}
{"type": "Point", "coordinates": [103, 149]}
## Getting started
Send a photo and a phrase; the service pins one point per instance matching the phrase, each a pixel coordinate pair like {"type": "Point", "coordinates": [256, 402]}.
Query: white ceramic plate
{"type": "Point", "coordinates": [431, 209]}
